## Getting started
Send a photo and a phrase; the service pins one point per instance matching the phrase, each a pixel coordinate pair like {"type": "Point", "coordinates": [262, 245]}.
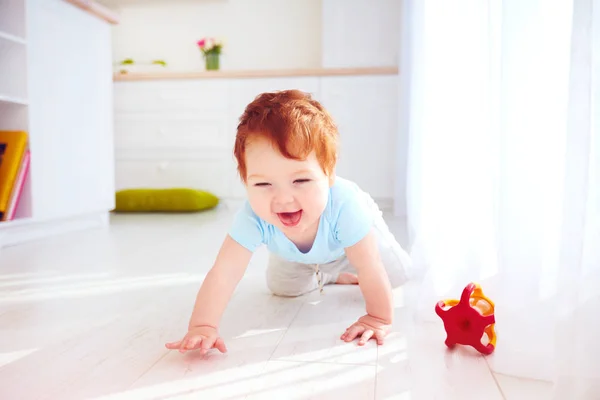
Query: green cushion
{"type": "Point", "coordinates": [164, 200]}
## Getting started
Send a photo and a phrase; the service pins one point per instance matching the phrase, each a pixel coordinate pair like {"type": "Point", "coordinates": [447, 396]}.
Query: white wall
{"type": "Point", "coordinates": [361, 33]}
{"type": "Point", "coordinates": [260, 34]}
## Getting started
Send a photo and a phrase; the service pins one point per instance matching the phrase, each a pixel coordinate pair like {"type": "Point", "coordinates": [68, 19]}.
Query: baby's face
{"type": "Point", "coordinates": [289, 194]}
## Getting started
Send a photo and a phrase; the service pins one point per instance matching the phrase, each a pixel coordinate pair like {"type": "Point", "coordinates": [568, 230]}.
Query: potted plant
{"type": "Point", "coordinates": [211, 49]}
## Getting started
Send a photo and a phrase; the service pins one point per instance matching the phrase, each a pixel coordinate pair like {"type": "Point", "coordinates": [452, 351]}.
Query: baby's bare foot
{"type": "Point", "coordinates": [346, 278]}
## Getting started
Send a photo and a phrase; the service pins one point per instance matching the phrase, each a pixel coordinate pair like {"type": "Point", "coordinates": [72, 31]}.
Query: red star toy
{"type": "Point", "coordinates": [467, 320]}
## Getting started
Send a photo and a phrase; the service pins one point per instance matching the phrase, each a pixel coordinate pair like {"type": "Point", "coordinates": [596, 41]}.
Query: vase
{"type": "Point", "coordinates": [212, 61]}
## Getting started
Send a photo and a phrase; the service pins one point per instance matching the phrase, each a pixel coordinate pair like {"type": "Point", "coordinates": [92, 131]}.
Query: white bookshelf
{"type": "Point", "coordinates": [12, 38]}
{"type": "Point", "coordinates": [14, 110]}
{"type": "Point", "coordinates": [56, 85]}
{"type": "Point", "coordinates": [12, 100]}
{"type": "Point", "coordinates": [13, 70]}
{"type": "Point", "coordinates": [13, 52]}
{"type": "Point", "coordinates": [12, 19]}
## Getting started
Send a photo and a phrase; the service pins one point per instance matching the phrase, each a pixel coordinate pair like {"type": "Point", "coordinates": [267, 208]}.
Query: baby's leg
{"type": "Point", "coordinates": [396, 261]}
{"type": "Point", "coordinates": [286, 278]}
{"type": "Point", "coordinates": [339, 271]}
{"type": "Point", "coordinates": [290, 279]}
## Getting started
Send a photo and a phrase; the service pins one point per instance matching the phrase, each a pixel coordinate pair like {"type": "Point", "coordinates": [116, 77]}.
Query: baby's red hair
{"type": "Point", "coordinates": [294, 123]}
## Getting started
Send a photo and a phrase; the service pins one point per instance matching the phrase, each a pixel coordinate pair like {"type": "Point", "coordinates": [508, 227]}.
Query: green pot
{"type": "Point", "coordinates": [212, 62]}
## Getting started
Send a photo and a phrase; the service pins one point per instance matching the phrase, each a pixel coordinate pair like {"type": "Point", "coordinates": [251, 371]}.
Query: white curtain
{"type": "Point", "coordinates": [500, 106]}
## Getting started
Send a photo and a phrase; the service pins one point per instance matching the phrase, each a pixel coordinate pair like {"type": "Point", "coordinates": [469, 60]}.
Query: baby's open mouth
{"type": "Point", "coordinates": [290, 218]}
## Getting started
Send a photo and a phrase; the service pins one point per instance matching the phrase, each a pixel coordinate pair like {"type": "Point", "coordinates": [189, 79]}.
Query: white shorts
{"type": "Point", "coordinates": [287, 278]}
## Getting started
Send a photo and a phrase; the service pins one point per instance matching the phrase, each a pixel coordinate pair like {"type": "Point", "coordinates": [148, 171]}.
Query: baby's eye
{"type": "Point", "coordinates": [301, 180]}
{"type": "Point", "coordinates": [262, 184]}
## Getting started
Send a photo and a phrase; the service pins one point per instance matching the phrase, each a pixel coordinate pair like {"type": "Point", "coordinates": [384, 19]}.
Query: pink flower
{"type": "Point", "coordinates": [202, 42]}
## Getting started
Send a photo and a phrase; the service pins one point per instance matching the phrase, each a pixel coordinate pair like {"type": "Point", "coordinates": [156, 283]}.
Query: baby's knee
{"type": "Point", "coordinates": [281, 290]}
{"type": "Point", "coordinates": [282, 287]}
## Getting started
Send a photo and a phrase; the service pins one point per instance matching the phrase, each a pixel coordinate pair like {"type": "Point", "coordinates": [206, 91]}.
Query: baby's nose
{"type": "Point", "coordinates": [283, 197]}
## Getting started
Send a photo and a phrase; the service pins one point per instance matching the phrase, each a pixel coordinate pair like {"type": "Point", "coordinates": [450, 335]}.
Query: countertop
{"type": "Point", "coordinates": [138, 76]}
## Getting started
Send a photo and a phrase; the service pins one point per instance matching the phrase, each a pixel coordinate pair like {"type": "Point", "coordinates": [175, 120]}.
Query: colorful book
{"type": "Point", "coordinates": [12, 149]}
{"type": "Point", "coordinates": [18, 187]}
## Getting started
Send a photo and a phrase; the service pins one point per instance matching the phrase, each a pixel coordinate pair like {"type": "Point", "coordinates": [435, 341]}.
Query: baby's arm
{"type": "Point", "coordinates": [376, 289]}
{"type": "Point", "coordinates": [219, 284]}
{"type": "Point", "coordinates": [213, 296]}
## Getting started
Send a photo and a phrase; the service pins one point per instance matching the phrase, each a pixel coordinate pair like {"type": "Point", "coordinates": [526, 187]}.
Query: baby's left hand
{"type": "Point", "coordinates": [369, 327]}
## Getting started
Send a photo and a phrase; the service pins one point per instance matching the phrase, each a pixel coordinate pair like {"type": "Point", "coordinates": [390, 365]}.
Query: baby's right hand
{"type": "Point", "coordinates": [203, 338]}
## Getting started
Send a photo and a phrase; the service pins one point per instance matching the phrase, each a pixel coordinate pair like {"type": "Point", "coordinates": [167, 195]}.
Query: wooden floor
{"type": "Point", "coordinates": [86, 316]}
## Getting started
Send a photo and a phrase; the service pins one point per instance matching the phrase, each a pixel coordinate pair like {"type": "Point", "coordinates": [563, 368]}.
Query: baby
{"type": "Point", "coordinates": [319, 228]}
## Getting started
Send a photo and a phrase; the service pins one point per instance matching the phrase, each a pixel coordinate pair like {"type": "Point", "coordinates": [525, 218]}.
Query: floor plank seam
{"type": "Point", "coordinates": [148, 369]}
{"type": "Point", "coordinates": [376, 365]}
{"type": "Point", "coordinates": [285, 332]}
{"type": "Point", "coordinates": [495, 379]}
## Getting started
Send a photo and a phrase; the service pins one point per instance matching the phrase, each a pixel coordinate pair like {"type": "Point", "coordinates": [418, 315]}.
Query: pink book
{"type": "Point", "coordinates": [18, 187]}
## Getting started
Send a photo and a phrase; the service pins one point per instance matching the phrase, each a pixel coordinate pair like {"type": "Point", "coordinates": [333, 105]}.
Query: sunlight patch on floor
{"type": "Point", "coordinates": [85, 289]}
{"type": "Point", "coordinates": [7, 358]}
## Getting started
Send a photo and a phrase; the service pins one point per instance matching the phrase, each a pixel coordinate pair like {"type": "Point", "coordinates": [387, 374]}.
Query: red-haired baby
{"type": "Point", "coordinates": [319, 228]}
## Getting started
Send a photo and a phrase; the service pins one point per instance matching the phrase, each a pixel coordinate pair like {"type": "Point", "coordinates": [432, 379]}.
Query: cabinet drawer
{"type": "Point", "coordinates": [212, 175]}
{"type": "Point", "coordinates": [148, 132]}
{"type": "Point", "coordinates": [204, 95]}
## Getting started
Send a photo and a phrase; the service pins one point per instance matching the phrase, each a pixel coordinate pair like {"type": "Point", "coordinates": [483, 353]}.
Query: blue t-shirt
{"type": "Point", "coordinates": [347, 218]}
